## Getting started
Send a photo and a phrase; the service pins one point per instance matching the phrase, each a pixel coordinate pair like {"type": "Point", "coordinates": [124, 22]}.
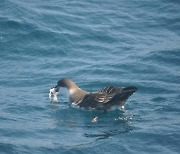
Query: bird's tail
{"type": "Point", "coordinates": [121, 98]}
{"type": "Point", "coordinates": [130, 89]}
{"type": "Point", "coordinates": [126, 93]}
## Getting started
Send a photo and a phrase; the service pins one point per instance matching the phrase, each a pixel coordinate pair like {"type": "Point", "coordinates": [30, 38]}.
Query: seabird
{"type": "Point", "coordinates": [105, 99]}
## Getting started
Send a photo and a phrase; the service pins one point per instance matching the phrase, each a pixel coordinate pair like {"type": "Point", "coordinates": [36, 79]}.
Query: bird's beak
{"type": "Point", "coordinates": [56, 88]}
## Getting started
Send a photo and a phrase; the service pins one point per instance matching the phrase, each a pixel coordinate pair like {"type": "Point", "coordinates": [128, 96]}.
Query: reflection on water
{"type": "Point", "coordinates": [105, 134]}
{"type": "Point", "coordinates": [112, 124]}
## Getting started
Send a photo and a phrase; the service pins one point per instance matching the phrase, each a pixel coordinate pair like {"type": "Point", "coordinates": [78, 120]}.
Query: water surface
{"type": "Point", "coordinates": [96, 44]}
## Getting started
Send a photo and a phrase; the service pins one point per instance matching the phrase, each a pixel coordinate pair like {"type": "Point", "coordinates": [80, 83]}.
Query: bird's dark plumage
{"type": "Point", "coordinates": [103, 99]}
{"type": "Point", "coordinates": [107, 98]}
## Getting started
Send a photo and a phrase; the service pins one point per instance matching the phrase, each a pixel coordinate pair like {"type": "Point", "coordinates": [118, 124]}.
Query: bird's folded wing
{"type": "Point", "coordinates": [97, 99]}
{"type": "Point", "coordinates": [107, 96]}
{"type": "Point", "coordinates": [110, 90]}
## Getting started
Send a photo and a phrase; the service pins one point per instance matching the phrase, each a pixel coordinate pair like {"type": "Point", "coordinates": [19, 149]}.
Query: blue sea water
{"type": "Point", "coordinates": [96, 44]}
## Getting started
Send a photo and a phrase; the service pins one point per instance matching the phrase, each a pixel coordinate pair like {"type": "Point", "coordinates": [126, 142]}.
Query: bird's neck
{"type": "Point", "coordinates": [76, 95]}
{"type": "Point", "coordinates": [71, 86]}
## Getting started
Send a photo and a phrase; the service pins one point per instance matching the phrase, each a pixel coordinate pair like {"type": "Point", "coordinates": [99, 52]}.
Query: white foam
{"type": "Point", "coordinates": [53, 95]}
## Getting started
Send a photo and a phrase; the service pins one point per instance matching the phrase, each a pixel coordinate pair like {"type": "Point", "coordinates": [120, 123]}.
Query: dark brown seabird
{"type": "Point", "coordinates": [104, 99]}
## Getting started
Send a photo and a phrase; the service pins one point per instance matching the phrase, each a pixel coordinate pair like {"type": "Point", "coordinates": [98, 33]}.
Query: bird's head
{"type": "Point", "coordinates": [61, 84]}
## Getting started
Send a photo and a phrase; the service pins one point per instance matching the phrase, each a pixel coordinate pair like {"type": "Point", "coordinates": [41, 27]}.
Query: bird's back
{"type": "Point", "coordinates": [107, 98]}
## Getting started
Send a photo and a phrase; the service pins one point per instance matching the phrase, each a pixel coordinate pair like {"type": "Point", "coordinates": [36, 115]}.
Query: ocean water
{"type": "Point", "coordinates": [95, 43]}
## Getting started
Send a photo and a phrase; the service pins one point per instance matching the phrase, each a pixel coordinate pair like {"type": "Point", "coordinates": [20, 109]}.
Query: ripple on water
{"type": "Point", "coordinates": [96, 44]}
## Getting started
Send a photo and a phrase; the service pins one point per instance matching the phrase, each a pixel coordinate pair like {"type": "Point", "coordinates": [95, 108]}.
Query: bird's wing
{"type": "Point", "coordinates": [93, 100]}
{"type": "Point", "coordinates": [105, 96]}
{"type": "Point", "coordinates": [111, 90]}
{"type": "Point", "coordinates": [98, 99]}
